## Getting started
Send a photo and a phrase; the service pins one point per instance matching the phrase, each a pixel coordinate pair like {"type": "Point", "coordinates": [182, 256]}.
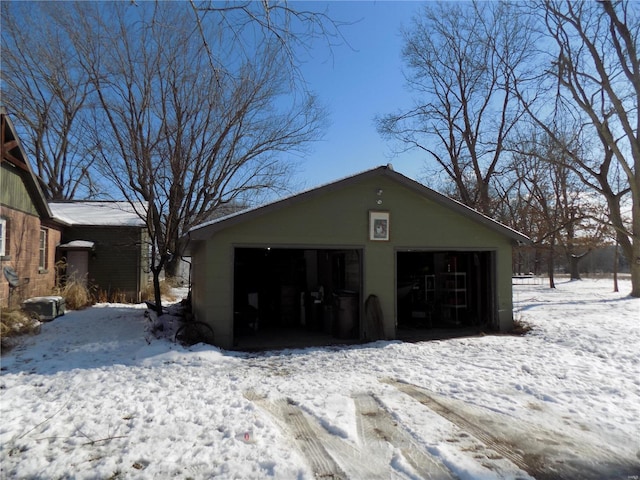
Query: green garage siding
{"type": "Point", "coordinates": [337, 216]}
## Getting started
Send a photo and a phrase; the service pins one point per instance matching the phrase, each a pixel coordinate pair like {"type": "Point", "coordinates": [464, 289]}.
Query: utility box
{"type": "Point", "coordinates": [47, 308]}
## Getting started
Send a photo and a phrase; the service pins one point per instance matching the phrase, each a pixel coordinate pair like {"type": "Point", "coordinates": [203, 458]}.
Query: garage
{"type": "Point", "coordinates": [445, 290]}
{"type": "Point", "coordinates": [296, 296]}
{"type": "Point", "coordinates": [372, 256]}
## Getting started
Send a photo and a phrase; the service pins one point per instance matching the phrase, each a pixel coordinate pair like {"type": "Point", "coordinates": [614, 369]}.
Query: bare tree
{"type": "Point", "coordinates": [47, 94]}
{"type": "Point", "coordinates": [186, 108]}
{"type": "Point", "coordinates": [463, 61]}
{"type": "Point", "coordinates": [292, 27]}
{"type": "Point", "coordinates": [596, 72]}
{"type": "Point", "coordinates": [183, 126]}
{"type": "Point", "coordinates": [554, 203]}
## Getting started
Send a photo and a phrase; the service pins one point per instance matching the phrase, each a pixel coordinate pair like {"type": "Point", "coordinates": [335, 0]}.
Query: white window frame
{"type": "Point", "coordinates": [44, 242]}
{"type": "Point", "coordinates": [3, 237]}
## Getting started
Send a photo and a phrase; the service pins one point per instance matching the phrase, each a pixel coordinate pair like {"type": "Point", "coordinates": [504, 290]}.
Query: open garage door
{"type": "Point", "coordinates": [445, 290]}
{"type": "Point", "coordinates": [295, 297]}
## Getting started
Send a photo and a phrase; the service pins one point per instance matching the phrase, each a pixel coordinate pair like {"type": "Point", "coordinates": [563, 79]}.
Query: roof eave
{"type": "Point", "coordinates": [204, 231]}
{"type": "Point", "coordinates": [460, 208]}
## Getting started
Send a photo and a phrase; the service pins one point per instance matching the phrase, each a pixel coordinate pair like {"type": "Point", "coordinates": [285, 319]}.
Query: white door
{"type": "Point", "coordinates": [78, 266]}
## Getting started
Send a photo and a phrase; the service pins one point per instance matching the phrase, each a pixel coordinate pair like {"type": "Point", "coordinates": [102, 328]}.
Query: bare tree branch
{"type": "Point", "coordinates": [47, 95]}
{"type": "Point", "coordinates": [462, 62]}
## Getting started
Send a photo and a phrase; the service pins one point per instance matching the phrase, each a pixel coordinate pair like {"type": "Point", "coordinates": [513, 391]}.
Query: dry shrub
{"type": "Point", "coordinates": [165, 291]}
{"type": "Point", "coordinates": [174, 282]}
{"type": "Point", "coordinates": [520, 327]}
{"type": "Point", "coordinates": [119, 297]}
{"type": "Point", "coordinates": [101, 296]}
{"type": "Point", "coordinates": [116, 296]}
{"type": "Point", "coordinates": [147, 292]}
{"type": "Point", "coordinates": [76, 295]}
{"type": "Point", "coordinates": [15, 322]}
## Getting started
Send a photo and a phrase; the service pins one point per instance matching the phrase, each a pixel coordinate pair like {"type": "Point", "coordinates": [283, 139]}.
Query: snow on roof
{"type": "Point", "coordinates": [77, 244]}
{"type": "Point", "coordinates": [112, 214]}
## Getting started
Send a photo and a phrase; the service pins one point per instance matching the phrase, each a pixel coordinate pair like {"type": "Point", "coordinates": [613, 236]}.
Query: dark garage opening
{"type": "Point", "coordinates": [445, 293]}
{"type": "Point", "coordinates": [294, 297]}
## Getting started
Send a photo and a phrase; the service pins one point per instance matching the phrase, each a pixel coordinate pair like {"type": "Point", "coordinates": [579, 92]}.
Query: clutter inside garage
{"type": "Point", "coordinates": [279, 292]}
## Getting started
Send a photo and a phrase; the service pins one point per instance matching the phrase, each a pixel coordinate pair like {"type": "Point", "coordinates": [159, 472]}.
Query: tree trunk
{"type": "Point", "coordinates": [631, 249]}
{"type": "Point", "coordinates": [177, 249]}
{"type": "Point", "coordinates": [574, 261]}
{"type": "Point", "coordinates": [156, 270]}
{"type": "Point", "coordinates": [551, 266]}
{"type": "Point", "coordinates": [171, 267]}
{"type": "Point", "coordinates": [615, 268]}
{"type": "Point", "coordinates": [156, 289]}
{"type": "Point", "coordinates": [635, 269]}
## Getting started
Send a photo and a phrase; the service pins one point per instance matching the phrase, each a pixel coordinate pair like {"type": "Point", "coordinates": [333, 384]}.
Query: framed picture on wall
{"type": "Point", "coordinates": [379, 226]}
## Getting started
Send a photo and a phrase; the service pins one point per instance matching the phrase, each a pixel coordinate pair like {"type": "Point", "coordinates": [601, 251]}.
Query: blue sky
{"type": "Point", "coordinates": [357, 83]}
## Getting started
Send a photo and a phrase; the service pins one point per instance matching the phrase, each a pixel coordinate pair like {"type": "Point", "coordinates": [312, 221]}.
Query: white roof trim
{"type": "Point", "coordinates": [77, 245]}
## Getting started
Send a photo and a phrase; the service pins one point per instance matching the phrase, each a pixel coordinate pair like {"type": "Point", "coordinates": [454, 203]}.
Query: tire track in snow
{"type": "Point", "coordinates": [542, 454]}
{"type": "Point", "coordinates": [485, 437]}
{"type": "Point", "coordinates": [330, 456]}
{"type": "Point", "coordinates": [286, 412]}
{"type": "Point", "coordinates": [377, 426]}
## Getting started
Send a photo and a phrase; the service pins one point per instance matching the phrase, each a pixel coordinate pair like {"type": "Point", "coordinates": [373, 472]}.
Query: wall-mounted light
{"type": "Point", "coordinates": [379, 193]}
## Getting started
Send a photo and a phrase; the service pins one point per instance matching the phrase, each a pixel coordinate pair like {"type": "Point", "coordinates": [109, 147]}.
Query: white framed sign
{"type": "Point", "coordinates": [379, 226]}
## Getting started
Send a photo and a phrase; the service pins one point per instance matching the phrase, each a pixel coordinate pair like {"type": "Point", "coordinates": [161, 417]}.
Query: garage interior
{"type": "Point", "coordinates": [296, 297]}
{"type": "Point", "coordinates": [441, 293]}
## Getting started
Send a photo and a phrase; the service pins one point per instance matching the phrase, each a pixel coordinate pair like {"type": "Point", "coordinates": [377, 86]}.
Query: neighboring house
{"type": "Point", "coordinates": [104, 245]}
{"type": "Point", "coordinates": [363, 258]}
{"type": "Point", "coordinates": [28, 232]}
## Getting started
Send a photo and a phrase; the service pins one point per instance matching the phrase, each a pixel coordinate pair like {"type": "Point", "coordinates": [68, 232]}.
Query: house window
{"type": "Point", "coordinates": [42, 265]}
{"type": "Point", "coordinates": [3, 237]}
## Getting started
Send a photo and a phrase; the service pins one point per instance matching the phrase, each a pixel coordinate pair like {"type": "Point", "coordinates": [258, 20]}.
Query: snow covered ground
{"type": "Point", "coordinates": [95, 396]}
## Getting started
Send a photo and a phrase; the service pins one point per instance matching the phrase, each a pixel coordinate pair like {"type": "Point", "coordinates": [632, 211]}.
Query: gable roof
{"type": "Point", "coordinates": [205, 230]}
{"type": "Point", "coordinates": [14, 154]}
{"type": "Point", "coordinates": [99, 213]}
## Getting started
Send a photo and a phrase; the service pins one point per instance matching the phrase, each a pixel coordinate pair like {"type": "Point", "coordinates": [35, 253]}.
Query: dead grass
{"type": "Point", "coordinates": [165, 291]}
{"type": "Point", "coordinates": [116, 296]}
{"type": "Point", "coordinates": [13, 323]}
{"type": "Point", "coordinates": [76, 295]}
{"type": "Point", "coordinates": [520, 327]}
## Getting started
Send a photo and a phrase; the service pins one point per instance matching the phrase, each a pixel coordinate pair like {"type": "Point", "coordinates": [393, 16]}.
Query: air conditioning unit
{"type": "Point", "coordinates": [47, 308]}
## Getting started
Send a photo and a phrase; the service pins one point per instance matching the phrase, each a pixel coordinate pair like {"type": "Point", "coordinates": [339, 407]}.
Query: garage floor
{"type": "Point", "coordinates": [281, 338]}
{"type": "Point", "coordinates": [290, 337]}
{"type": "Point", "coordinates": [424, 334]}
